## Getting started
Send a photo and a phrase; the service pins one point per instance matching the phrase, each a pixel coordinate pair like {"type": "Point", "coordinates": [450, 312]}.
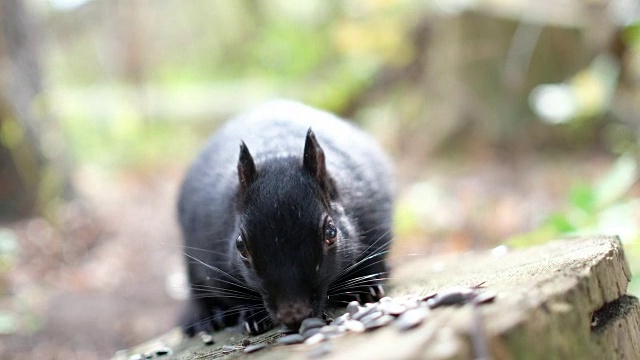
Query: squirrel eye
{"type": "Point", "coordinates": [242, 248]}
{"type": "Point", "coordinates": [330, 233]}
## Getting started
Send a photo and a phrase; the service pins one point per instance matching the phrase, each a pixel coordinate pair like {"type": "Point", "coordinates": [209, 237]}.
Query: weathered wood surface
{"type": "Point", "coordinates": [562, 300]}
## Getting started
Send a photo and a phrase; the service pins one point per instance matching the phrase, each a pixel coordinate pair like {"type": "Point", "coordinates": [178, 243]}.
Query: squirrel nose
{"type": "Point", "coordinates": [292, 313]}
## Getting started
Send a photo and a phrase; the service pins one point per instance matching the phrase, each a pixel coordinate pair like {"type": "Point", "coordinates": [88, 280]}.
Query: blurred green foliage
{"type": "Point", "coordinates": [631, 34]}
{"type": "Point", "coordinates": [602, 208]}
{"type": "Point", "coordinates": [124, 138]}
{"type": "Point", "coordinates": [130, 81]}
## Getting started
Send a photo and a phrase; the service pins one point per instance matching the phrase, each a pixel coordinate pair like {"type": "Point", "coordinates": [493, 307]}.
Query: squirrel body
{"type": "Point", "coordinates": [297, 220]}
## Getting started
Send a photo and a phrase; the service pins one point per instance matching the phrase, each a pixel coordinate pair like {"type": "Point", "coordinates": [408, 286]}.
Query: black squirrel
{"type": "Point", "coordinates": [278, 231]}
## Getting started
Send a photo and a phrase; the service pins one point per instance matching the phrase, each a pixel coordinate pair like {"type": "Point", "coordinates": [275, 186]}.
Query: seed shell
{"type": "Point", "coordinates": [373, 316]}
{"type": "Point", "coordinates": [364, 312]}
{"type": "Point", "coordinates": [354, 326]}
{"type": "Point", "coordinates": [378, 322]}
{"type": "Point", "coordinates": [353, 307]}
{"type": "Point", "coordinates": [485, 297]}
{"type": "Point", "coordinates": [228, 348]}
{"type": "Point", "coordinates": [310, 332]}
{"type": "Point", "coordinates": [291, 339]}
{"type": "Point", "coordinates": [311, 323]}
{"type": "Point", "coordinates": [315, 339]}
{"type": "Point", "coordinates": [411, 318]}
{"type": "Point", "coordinates": [255, 347]}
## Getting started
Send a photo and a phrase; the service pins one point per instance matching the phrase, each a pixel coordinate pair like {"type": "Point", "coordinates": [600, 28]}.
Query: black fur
{"type": "Point", "coordinates": [298, 172]}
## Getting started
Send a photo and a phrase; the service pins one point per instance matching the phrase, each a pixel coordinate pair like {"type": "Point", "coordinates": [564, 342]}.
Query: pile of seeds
{"type": "Point", "coordinates": [404, 312]}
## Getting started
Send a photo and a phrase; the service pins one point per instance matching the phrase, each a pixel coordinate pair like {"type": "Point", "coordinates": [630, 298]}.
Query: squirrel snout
{"type": "Point", "coordinates": [292, 313]}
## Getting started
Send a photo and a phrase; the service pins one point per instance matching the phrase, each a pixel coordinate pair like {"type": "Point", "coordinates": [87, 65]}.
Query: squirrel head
{"type": "Point", "coordinates": [293, 235]}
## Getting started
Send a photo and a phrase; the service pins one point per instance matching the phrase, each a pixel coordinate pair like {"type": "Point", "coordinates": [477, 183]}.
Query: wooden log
{"type": "Point", "coordinates": [563, 300]}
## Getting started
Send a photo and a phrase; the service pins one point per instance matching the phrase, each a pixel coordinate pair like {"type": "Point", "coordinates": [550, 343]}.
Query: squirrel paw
{"type": "Point", "coordinates": [374, 293]}
{"type": "Point", "coordinates": [254, 325]}
{"type": "Point", "coordinates": [199, 319]}
{"type": "Point", "coordinates": [368, 294]}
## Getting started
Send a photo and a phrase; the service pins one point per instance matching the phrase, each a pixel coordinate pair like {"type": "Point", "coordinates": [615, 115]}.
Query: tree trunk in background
{"type": "Point", "coordinates": [473, 73]}
{"type": "Point", "coordinates": [28, 181]}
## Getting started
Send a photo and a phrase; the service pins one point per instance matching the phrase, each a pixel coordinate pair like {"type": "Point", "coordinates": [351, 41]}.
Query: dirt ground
{"type": "Point", "coordinates": [109, 275]}
{"type": "Point", "coordinates": [102, 283]}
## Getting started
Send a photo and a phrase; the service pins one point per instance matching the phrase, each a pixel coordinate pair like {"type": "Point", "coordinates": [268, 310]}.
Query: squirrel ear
{"type": "Point", "coordinates": [246, 168]}
{"type": "Point", "coordinates": [314, 163]}
{"type": "Point", "coordinates": [314, 158]}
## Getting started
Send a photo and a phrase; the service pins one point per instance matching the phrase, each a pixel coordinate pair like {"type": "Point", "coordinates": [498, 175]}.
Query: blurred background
{"type": "Point", "coordinates": [511, 123]}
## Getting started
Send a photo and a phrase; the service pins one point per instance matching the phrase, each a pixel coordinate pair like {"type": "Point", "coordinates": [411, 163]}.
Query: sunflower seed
{"type": "Point", "coordinates": [429, 296]}
{"type": "Point", "coordinates": [485, 297]}
{"type": "Point", "coordinates": [291, 339]}
{"type": "Point", "coordinates": [315, 339]}
{"type": "Point", "coordinates": [341, 319]}
{"type": "Point", "coordinates": [364, 312]}
{"type": "Point", "coordinates": [228, 348]}
{"type": "Point", "coordinates": [311, 323]}
{"type": "Point", "coordinates": [373, 316]}
{"type": "Point", "coordinates": [411, 318]}
{"type": "Point", "coordinates": [310, 332]}
{"type": "Point", "coordinates": [452, 296]}
{"type": "Point", "coordinates": [395, 309]}
{"type": "Point", "coordinates": [254, 348]}
{"type": "Point", "coordinates": [379, 322]}
{"type": "Point", "coordinates": [353, 307]}
{"type": "Point", "coordinates": [330, 329]}
{"type": "Point", "coordinates": [354, 326]}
